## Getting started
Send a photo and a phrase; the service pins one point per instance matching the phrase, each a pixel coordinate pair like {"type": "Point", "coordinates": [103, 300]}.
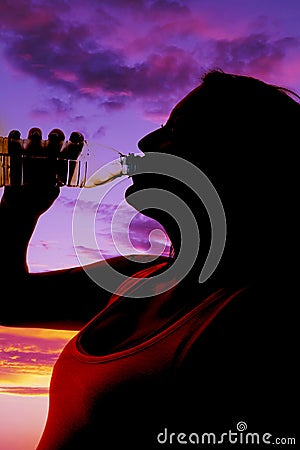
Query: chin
{"type": "Point", "coordinates": [130, 190]}
{"type": "Point", "coordinates": [130, 200]}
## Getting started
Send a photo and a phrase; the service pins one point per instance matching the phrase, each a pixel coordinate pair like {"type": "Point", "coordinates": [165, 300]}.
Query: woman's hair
{"type": "Point", "coordinates": [243, 134]}
{"type": "Point", "coordinates": [241, 108]}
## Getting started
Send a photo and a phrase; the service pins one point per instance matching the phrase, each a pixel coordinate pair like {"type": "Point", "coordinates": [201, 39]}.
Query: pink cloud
{"type": "Point", "coordinates": [64, 75]}
{"type": "Point", "coordinates": [24, 390]}
{"type": "Point", "coordinates": [29, 351]}
{"type": "Point", "coordinates": [25, 15]}
{"type": "Point", "coordinates": [150, 53]}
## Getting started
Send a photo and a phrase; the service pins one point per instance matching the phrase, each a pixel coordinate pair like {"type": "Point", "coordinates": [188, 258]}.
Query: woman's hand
{"type": "Point", "coordinates": [23, 203]}
{"type": "Point", "coordinates": [41, 173]}
{"type": "Point", "coordinates": [31, 200]}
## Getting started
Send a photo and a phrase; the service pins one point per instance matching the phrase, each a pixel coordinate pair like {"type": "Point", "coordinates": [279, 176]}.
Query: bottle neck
{"type": "Point", "coordinates": [130, 164]}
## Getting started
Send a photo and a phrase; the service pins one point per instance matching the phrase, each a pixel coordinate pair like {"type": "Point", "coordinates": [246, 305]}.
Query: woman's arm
{"type": "Point", "coordinates": [60, 299]}
{"type": "Point", "coordinates": [20, 209]}
{"type": "Point", "coordinates": [64, 299]}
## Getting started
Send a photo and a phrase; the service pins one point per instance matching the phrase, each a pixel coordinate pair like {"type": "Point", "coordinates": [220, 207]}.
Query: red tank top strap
{"type": "Point", "coordinates": [205, 314]}
{"type": "Point", "coordinates": [135, 279]}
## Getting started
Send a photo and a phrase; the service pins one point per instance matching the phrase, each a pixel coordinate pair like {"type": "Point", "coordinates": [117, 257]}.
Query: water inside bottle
{"type": "Point", "coordinates": [21, 165]}
{"type": "Point", "coordinates": [122, 166]}
{"type": "Point", "coordinates": [70, 168]}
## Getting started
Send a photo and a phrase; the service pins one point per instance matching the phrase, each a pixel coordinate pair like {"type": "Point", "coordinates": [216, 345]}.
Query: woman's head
{"type": "Point", "coordinates": [242, 133]}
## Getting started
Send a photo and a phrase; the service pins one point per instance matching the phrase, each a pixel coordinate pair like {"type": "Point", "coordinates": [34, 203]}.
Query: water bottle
{"type": "Point", "coordinates": [125, 165]}
{"type": "Point", "coordinates": [3, 145]}
{"type": "Point", "coordinates": [55, 161]}
{"type": "Point", "coordinates": [10, 158]}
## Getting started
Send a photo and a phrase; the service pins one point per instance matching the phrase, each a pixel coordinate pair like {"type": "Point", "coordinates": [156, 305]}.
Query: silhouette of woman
{"type": "Point", "coordinates": [197, 358]}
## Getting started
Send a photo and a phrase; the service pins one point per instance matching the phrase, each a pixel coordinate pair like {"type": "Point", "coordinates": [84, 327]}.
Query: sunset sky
{"type": "Point", "coordinates": [113, 70]}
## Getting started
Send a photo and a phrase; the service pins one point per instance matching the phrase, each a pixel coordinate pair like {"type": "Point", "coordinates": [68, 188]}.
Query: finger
{"type": "Point", "coordinates": [73, 146]}
{"type": "Point", "coordinates": [34, 144]}
{"type": "Point", "coordinates": [14, 134]}
{"type": "Point", "coordinates": [15, 150]}
{"type": "Point", "coordinates": [54, 143]}
{"type": "Point", "coordinates": [68, 168]}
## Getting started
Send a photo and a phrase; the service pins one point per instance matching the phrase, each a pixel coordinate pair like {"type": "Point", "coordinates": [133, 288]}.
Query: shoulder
{"type": "Point", "coordinates": [243, 364]}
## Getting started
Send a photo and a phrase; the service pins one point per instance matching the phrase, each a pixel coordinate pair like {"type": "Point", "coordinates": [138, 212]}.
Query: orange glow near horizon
{"type": "Point", "coordinates": [27, 357]}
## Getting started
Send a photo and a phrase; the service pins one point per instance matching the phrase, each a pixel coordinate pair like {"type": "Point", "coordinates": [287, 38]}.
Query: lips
{"type": "Point", "coordinates": [133, 188]}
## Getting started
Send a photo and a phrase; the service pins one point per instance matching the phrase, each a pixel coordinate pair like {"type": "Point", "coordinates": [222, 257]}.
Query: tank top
{"type": "Point", "coordinates": [120, 368]}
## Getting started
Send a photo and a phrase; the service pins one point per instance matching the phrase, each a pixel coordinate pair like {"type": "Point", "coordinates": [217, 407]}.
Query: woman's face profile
{"type": "Point", "coordinates": [170, 138]}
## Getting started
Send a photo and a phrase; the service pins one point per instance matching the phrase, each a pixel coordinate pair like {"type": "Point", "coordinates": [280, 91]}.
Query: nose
{"type": "Point", "coordinates": [157, 140]}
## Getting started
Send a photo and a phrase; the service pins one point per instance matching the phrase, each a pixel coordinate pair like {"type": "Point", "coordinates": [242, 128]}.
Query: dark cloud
{"type": "Point", "coordinates": [24, 390]}
{"type": "Point", "coordinates": [117, 52]}
{"type": "Point", "coordinates": [29, 344]}
{"type": "Point", "coordinates": [100, 132]}
{"type": "Point", "coordinates": [66, 202]}
{"type": "Point", "coordinates": [82, 58]}
{"type": "Point", "coordinates": [24, 360]}
{"type": "Point", "coordinates": [54, 106]}
{"type": "Point", "coordinates": [59, 105]}
{"type": "Point", "coordinates": [29, 354]}
{"type": "Point", "coordinates": [254, 53]}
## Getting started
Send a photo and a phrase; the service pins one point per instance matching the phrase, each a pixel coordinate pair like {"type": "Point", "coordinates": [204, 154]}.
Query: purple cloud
{"type": "Point", "coordinates": [257, 53]}
{"type": "Point", "coordinates": [57, 105]}
{"type": "Point", "coordinates": [130, 233]}
{"type": "Point", "coordinates": [114, 53]}
{"type": "Point", "coordinates": [24, 390]}
{"type": "Point", "coordinates": [28, 354]}
{"type": "Point", "coordinates": [27, 358]}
